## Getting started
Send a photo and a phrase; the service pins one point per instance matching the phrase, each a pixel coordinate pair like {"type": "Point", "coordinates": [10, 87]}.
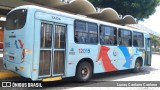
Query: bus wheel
{"type": "Point", "coordinates": [137, 66]}
{"type": "Point", "coordinates": [84, 72]}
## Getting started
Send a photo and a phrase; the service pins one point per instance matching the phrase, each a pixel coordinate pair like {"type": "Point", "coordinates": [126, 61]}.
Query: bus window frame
{"type": "Point", "coordinates": [52, 28]}
{"type": "Point", "coordinates": [87, 31]}
{"type": "Point", "coordinates": [116, 34]}
{"type": "Point", "coordinates": [26, 16]}
{"type": "Point", "coordinates": [142, 37]}
{"type": "Point", "coordinates": [120, 29]}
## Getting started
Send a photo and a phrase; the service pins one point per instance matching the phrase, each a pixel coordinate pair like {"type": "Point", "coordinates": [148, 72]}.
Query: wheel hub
{"type": "Point", "coordinates": [137, 65]}
{"type": "Point", "coordinates": [84, 72]}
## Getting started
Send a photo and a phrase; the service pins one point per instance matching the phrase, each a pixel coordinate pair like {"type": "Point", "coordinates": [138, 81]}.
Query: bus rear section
{"type": "Point", "coordinates": [15, 43]}
{"type": "Point", "coordinates": [34, 45]}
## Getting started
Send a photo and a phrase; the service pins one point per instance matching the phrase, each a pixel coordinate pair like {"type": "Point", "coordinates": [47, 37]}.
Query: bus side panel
{"type": "Point", "coordinates": [123, 57]}
{"type": "Point", "coordinates": [77, 52]}
{"type": "Point", "coordinates": [104, 57]}
{"type": "Point", "coordinates": [107, 59]}
{"type": "Point", "coordinates": [137, 53]}
{"type": "Point", "coordinates": [70, 65]}
{"type": "Point", "coordinates": [29, 40]}
{"type": "Point", "coordinates": [36, 50]}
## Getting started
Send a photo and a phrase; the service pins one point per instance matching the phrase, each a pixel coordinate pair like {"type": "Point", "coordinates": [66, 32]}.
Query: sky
{"type": "Point", "coordinates": [153, 22]}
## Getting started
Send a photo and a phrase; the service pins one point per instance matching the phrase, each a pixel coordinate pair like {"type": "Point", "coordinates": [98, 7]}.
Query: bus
{"type": "Point", "coordinates": [49, 45]}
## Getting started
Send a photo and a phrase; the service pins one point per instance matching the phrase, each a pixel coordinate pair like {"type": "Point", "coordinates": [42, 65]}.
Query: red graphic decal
{"type": "Point", "coordinates": [21, 44]}
{"type": "Point", "coordinates": [108, 66]}
{"type": "Point", "coordinates": [23, 50]}
{"type": "Point", "coordinates": [23, 53]}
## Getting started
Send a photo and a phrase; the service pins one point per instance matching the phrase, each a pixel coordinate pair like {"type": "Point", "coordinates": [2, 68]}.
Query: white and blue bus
{"type": "Point", "coordinates": [45, 44]}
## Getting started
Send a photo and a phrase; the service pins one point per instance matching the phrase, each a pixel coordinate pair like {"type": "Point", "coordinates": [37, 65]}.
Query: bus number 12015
{"type": "Point", "coordinates": [81, 50]}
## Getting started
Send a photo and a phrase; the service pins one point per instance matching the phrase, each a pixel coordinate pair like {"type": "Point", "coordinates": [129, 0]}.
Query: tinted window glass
{"type": "Point", "coordinates": [80, 26]}
{"type": "Point", "coordinates": [46, 35]}
{"type": "Point", "coordinates": [16, 19]}
{"type": "Point", "coordinates": [59, 37]}
{"type": "Point", "coordinates": [92, 34]}
{"type": "Point", "coordinates": [125, 37]}
{"type": "Point", "coordinates": [86, 33]}
{"type": "Point", "coordinates": [44, 63]}
{"type": "Point", "coordinates": [92, 28]}
{"type": "Point", "coordinates": [135, 41]}
{"type": "Point", "coordinates": [108, 35]}
{"type": "Point", "coordinates": [138, 39]}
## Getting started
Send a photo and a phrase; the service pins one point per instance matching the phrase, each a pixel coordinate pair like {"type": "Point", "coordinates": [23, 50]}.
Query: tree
{"type": "Point", "coordinates": [140, 9]}
{"type": "Point", "coordinates": [155, 41]}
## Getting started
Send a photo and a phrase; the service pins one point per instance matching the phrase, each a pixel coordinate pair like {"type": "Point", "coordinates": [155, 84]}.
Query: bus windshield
{"type": "Point", "coordinates": [16, 19]}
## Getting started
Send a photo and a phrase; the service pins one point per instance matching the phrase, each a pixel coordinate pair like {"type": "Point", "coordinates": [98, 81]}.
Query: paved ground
{"type": "Point", "coordinates": [148, 74]}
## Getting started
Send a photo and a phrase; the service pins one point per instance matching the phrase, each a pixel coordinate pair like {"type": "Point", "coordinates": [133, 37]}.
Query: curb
{"type": "Point", "coordinates": [7, 74]}
{"type": "Point", "coordinates": [158, 53]}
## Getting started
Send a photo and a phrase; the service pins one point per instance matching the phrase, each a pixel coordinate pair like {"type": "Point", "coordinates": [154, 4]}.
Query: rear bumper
{"type": "Point", "coordinates": [23, 69]}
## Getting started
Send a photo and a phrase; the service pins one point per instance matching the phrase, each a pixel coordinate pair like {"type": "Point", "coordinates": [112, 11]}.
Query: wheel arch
{"type": "Point", "coordinates": [140, 59]}
{"type": "Point", "coordinates": [89, 60]}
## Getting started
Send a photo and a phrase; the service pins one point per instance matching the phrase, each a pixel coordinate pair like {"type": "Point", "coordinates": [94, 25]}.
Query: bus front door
{"type": "Point", "coordinates": [148, 53]}
{"type": "Point", "coordinates": [52, 49]}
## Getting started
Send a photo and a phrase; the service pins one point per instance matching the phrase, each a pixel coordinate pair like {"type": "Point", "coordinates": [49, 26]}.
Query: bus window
{"type": "Point", "coordinates": [93, 34]}
{"type": "Point", "coordinates": [86, 33]}
{"type": "Point", "coordinates": [135, 41]}
{"type": "Point", "coordinates": [125, 37]}
{"type": "Point", "coordinates": [59, 37]}
{"type": "Point", "coordinates": [108, 35]}
{"type": "Point", "coordinates": [138, 39]}
{"type": "Point", "coordinates": [46, 35]}
{"type": "Point", "coordinates": [80, 32]}
{"type": "Point", "coordinates": [45, 60]}
{"type": "Point", "coordinates": [16, 19]}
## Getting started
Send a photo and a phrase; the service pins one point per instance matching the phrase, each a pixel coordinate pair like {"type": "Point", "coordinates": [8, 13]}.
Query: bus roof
{"type": "Point", "coordinates": [76, 16]}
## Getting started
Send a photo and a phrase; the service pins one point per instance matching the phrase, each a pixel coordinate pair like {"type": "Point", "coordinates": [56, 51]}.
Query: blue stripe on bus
{"type": "Point", "coordinates": [16, 44]}
{"type": "Point", "coordinates": [126, 55]}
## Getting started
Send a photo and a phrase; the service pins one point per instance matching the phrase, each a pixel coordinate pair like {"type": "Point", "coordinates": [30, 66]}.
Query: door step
{"type": "Point", "coordinates": [52, 79]}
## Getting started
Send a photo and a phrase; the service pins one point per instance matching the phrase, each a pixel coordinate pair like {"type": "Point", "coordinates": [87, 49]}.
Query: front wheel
{"type": "Point", "coordinates": [137, 67]}
{"type": "Point", "coordinates": [84, 71]}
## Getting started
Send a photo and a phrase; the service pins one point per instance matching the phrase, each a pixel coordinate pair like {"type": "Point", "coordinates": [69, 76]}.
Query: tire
{"type": "Point", "coordinates": [137, 67]}
{"type": "Point", "coordinates": [84, 72]}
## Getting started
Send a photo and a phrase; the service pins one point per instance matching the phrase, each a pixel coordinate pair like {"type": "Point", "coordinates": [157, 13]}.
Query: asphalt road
{"type": "Point", "coordinates": [100, 80]}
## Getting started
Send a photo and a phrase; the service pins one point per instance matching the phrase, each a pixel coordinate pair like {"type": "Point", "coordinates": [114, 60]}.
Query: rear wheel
{"type": "Point", "coordinates": [84, 71]}
{"type": "Point", "coordinates": [137, 67]}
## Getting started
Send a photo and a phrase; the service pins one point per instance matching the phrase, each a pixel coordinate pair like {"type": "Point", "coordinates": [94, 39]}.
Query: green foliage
{"type": "Point", "coordinates": [155, 40]}
{"type": "Point", "coordinates": [140, 9]}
